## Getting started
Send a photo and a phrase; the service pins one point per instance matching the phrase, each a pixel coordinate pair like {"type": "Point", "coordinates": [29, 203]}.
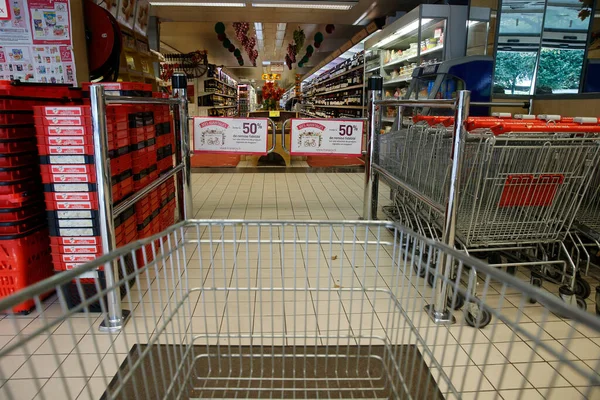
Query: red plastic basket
{"type": "Point", "coordinates": [17, 131]}
{"type": "Point", "coordinates": [17, 173]}
{"type": "Point", "coordinates": [24, 260]}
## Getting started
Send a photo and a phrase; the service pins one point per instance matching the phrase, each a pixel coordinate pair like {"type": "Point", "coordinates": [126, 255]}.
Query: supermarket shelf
{"type": "Point", "coordinates": [218, 106]}
{"type": "Point", "coordinates": [338, 90]}
{"type": "Point", "coordinates": [223, 82]}
{"type": "Point", "coordinates": [348, 107]}
{"type": "Point", "coordinates": [361, 66]}
{"type": "Point", "coordinates": [413, 57]}
{"type": "Point", "coordinates": [216, 94]}
{"type": "Point", "coordinates": [405, 79]}
{"type": "Point", "coordinates": [373, 69]}
{"type": "Point", "coordinates": [390, 120]}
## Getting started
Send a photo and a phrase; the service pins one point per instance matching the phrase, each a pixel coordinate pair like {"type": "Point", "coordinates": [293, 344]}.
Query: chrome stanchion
{"type": "Point", "coordinates": [370, 197]}
{"type": "Point", "coordinates": [116, 317]}
{"type": "Point", "coordinates": [182, 156]}
{"type": "Point", "coordinates": [439, 311]}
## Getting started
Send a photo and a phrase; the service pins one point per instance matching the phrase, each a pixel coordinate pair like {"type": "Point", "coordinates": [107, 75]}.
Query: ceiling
{"type": "Point", "coordinates": [186, 29]}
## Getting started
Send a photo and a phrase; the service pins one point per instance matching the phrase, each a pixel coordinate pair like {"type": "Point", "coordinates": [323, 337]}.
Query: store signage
{"type": "Point", "coordinates": [276, 67]}
{"type": "Point", "coordinates": [230, 135]}
{"type": "Point", "coordinates": [271, 77]}
{"type": "Point", "coordinates": [332, 137]}
{"type": "Point", "coordinates": [4, 11]}
{"type": "Point", "coordinates": [274, 114]}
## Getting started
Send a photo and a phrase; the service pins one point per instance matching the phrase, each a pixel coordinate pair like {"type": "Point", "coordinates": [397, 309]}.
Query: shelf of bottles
{"type": "Point", "coordinates": [218, 97]}
{"type": "Point", "coordinates": [338, 93]}
{"type": "Point", "coordinates": [246, 100]}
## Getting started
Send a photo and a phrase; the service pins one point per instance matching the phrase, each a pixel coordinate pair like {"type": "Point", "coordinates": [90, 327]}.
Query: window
{"type": "Point", "coordinates": [541, 47]}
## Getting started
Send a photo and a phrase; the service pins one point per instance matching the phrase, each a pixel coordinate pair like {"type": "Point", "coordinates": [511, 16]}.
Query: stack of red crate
{"type": "Point", "coordinates": [66, 148]}
{"type": "Point", "coordinates": [142, 135]}
{"type": "Point", "coordinates": [165, 140]}
{"type": "Point", "coordinates": [167, 204]}
{"type": "Point", "coordinates": [24, 244]}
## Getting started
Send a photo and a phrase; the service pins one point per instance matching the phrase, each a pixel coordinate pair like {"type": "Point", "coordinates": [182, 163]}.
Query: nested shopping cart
{"type": "Point", "coordinates": [514, 185]}
{"type": "Point", "coordinates": [281, 309]}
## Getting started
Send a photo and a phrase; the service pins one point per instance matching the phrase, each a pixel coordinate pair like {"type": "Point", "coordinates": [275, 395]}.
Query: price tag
{"type": "Point", "coordinates": [274, 114]}
{"type": "Point", "coordinates": [230, 135]}
{"type": "Point", "coordinates": [332, 137]}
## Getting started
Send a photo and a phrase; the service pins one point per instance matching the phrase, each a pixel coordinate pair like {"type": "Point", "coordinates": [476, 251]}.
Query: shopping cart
{"type": "Point", "coordinates": [520, 186]}
{"type": "Point", "coordinates": [282, 309]}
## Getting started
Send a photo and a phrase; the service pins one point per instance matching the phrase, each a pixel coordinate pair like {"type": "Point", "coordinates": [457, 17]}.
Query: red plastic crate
{"type": "Point", "coordinates": [15, 214]}
{"type": "Point", "coordinates": [16, 118]}
{"type": "Point", "coordinates": [17, 131]}
{"type": "Point", "coordinates": [62, 120]}
{"type": "Point", "coordinates": [18, 173]}
{"type": "Point", "coordinates": [38, 91]}
{"type": "Point", "coordinates": [71, 205]}
{"type": "Point", "coordinates": [11, 146]}
{"type": "Point", "coordinates": [73, 258]}
{"type": "Point", "coordinates": [22, 225]}
{"type": "Point", "coordinates": [68, 111]}
{"type": "Point", "coordinates": [78, 130]}
{"type": "Point", "coordinates": [71, 196]}
{"type": "Point", "coordinates": [76, 249]}
{"type": "Point", "coordinates": [68, 178]}
{"type": "Point", "coordinates": [75, 240]}
{"type": "Point", "coordinates": [24, 260]}
{"type": "Point", "coordinates": [19, 186]}
{"type": "Point", "coordinates": [17, 104]}
{"type": "Point", "coordinates": [68, 168]}
{"type": "Point", "coordinates": [45, 150]}
{"type": "Point", "coordinates": [81, 140]}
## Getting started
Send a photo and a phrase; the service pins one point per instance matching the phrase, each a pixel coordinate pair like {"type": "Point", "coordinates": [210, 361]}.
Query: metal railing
{"type": "Point", "coordinates": [116, 315]}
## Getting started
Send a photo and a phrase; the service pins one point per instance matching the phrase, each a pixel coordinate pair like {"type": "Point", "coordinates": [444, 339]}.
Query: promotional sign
{"type": "Point", "coordinates": [15, 28]}
{"type": "Point", "coordinates": [4, 10]}
{"type": "Point", "coordinates": [230, 135]}
{"type": "Point", "coordinates": [332, 137]}
{"type": "Point", "coordinates": [50, 21]}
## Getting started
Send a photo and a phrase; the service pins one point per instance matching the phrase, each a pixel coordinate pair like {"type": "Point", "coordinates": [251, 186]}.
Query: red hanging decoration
{"type": "Point", "coordinates": [329, 28]}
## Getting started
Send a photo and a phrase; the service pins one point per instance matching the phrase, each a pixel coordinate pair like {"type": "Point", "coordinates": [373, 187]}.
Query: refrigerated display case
{"type": "Point", "coordinates": [424, 37]}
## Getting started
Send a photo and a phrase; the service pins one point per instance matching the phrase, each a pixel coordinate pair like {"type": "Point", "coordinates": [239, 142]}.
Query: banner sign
{"type": "Point", "coordinates": [332, 137]}
{"type": "Point", "coordinates": [230, 135]}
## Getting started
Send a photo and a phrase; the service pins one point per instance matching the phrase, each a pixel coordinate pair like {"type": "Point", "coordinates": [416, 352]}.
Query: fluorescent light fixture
{"type": "Point", "coordinates": [259, 35]}
{"type": "Point", "coordinates": [279, 35]}
{"type": "Point", "coordinates": [403, 31]}
{"type": "Point", "coordinates": [191, 4]}
{"type": "Point", "coordinates": [321, 5]}
{"type": "Point", "coordinates": [278, 43]}
{"type": "Point", "coordinates": [258, 26]}
{"type": "Point", "coordinates": [471, 23]}
{"type": "Point", "coordinates": [266, 63]}
{"type": "Point", "coordinates": [281, 26]}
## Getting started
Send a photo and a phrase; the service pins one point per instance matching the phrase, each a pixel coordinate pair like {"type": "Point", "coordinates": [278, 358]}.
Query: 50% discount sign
{"type": "Point", "coordinates": [332, 137]}
{"type": "Point", "coordinates": [230, 135]}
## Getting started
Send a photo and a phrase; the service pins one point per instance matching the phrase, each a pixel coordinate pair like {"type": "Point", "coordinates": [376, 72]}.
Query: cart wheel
{"type": "Point", "coordinates": [420, 269]}
{"type": "Point", "coordinates": [535, 280]}
{"type": "Point", "coordinates": [460, 300]}
{"type": "Point", "coordinates": [431, 277]}
{"type": "Point", "coordinates": [480, 321]}
{"type": "Point", "coordinates": [581, 304]}
{"type": "Point", "coordinates": [582, 288]}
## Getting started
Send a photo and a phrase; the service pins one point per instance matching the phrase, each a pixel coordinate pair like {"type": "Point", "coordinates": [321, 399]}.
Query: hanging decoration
{"type": "Point", "coordinates": [318, 39]}
{"type": "Point", "coordinates": [309, 52]}
{"type": "Point", "coordinates": [299, 38]}
{"type": "Point", "coordinates": [222, 37]}
{"type": "Point", "coordinates": [329, 28]}
{"type": "Point", "coordinates": [248, 43]}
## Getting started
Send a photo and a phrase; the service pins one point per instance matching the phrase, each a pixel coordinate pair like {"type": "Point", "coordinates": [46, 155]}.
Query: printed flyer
{"type": "Point", "coordinates": [16, 63]}
{"type": "Point", "coordinates": [15, 29]}
{"type": "Point", "coordinates": [230, 135]}
{"type": "Point", "coordinates": [54, 64]}
{"type": "Point", "coordinates": [332, 137]}
{"type": "Point", "coordinates": [50, 21]}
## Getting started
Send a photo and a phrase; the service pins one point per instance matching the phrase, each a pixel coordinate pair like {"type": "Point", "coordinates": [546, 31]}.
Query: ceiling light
{"type": "Point", "coordinates": [259, 35]}
{"type": "Point", "coordinates": [403, 31]}
{"type": "Point", "coordinates": [322, 5]}
{"type": "Point", "coordinates": [258, 26]}
{"type": "Point", "coordinates": [190, 4]}
{"type": "Point", "coordinates": [281, 26]}
{"type": "Point", "coordinates": [266, 63]}
{"type": "Point", "coordinates": [280, 35]}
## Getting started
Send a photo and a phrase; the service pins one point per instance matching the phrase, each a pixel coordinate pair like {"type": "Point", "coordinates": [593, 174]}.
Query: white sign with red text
{"type": "Point", "coordinates": [331, 137]}
{"type": "Point", "coordinates": [230, 135]}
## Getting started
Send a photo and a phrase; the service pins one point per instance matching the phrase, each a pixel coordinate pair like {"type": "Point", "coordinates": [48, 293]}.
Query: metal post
{"type": "Point", "coordinates": [182, 155]}
{"type": "Point", "coordinates": [370, 200]}
{"type": "Point", "coordinates": [440, 312]}
{"type": "Point", "coordinates": [116, 317]}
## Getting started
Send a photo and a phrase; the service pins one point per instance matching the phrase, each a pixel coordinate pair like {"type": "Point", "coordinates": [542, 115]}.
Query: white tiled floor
{"type": "Point", "coordinates": [492, 363]}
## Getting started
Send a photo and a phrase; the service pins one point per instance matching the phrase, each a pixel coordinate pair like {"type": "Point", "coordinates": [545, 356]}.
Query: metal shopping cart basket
{"type": "Point", "coordinates": [519, 187]}
{"type": "Point", "coordinates": [276, 309]}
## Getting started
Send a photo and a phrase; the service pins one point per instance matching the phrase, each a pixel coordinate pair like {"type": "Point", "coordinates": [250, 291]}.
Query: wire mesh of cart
{"type": "Point", "coordinates": [520, 187]}
{"type": "Point", "coordinates": [282, 309]}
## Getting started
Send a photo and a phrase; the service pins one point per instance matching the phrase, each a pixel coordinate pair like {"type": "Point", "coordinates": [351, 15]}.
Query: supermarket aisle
{"type": "Point", "coordinates": [279, 196]}
{"type": "Point", "coordinates": [486, 364]}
